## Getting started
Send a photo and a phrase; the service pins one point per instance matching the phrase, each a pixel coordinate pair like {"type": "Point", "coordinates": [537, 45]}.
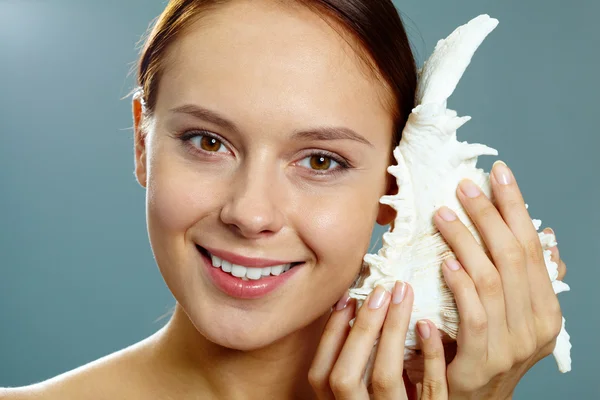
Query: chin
{"type": "Point", "coordinates": [239, 338]}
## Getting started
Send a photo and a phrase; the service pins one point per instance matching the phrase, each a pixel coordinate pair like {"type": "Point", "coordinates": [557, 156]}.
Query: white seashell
{"type": "Point", "coordinates": [430, 164]}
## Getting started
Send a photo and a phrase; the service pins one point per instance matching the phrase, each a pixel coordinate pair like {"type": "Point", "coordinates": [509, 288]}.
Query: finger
{"type": "Point", "coordinates": [555, 256]}
{"type": "Point", "coordinates": [505, 249]}
{"type": "Point", "coordinates": [346, 377]}
{"type": "Point", "coordinates": [332, 340]}
{"type": "Point", "coordinates": [434, 378]}
{"type": "Point", "coordinates": [562, 270]}
{"type": "Point", "coordinates": [513, 210]}
{"type": "Point", "coordinates": [387, 381]}
{"type": "Point", "coordinates": [472, 338]}
{"type": "Point", "coordinates": [478, 266]}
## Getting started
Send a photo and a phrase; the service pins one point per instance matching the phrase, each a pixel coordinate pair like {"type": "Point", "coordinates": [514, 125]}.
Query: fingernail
{"type": "Point", "coordinates": [452, 264]}
{"type": "Point", "coordinates": [447, 214]}
{"type": "Point", "coordinates": [549, 230]}
{"type": "Point", "coordinates": [399, 292]}
{"type": "Point", "coordinates": [501, 173]}
{"type": "Point", "coordinates": [343, 302]}
{"type": "Point", "coordinates": [469, 188]}
{"type": "Point", "coordinates": [423, 328]}
{"type": "Point", "coordinates": [377, 297]}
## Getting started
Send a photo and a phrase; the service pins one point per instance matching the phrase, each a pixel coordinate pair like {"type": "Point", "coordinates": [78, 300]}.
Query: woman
{"type": "Point", "coordinates": [259, 133]}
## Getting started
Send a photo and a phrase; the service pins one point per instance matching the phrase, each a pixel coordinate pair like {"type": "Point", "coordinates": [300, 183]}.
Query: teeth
{"type": "Point", "coordinates": [276, 270]}
{"type": "Point", "coordinates": [238, 270]}
{"type": "Point", "coordinates": [248, 273]}
{"type": "Point", "coordinates": [254, 273]}
{"type": "Point", "coordinates": [216, 261]}
{"type": "Point", "coordinates": [226, 265]}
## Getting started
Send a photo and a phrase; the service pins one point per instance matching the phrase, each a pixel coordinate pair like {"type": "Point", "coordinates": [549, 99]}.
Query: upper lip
{"type": "Point", "coordinates": [245, 261]}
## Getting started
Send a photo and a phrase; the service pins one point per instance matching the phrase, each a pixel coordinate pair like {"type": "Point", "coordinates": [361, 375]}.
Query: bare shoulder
{"type": "Point", "coordinates": [98, 380]}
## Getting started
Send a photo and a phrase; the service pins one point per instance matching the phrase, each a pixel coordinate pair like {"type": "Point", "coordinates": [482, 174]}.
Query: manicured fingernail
{"type": "Point", "coordinates": [377, 297]}
{"type": "Point", "coordinates": [343, 302]}
{"type": "Point", "coordinates": [447, 214]}
{"type": "Point", "coordinates": [469, 188]}
{"type": "Point", "coordinates": [423, 328]}
{"type": "Point", "coordinates": [549, 230]}
{"type": "Point", "coordinates": [452, 264]}
{"type": "Point", "coordinates": [501, 173]}
{"type": "Point", "coordinates": [399, 292]}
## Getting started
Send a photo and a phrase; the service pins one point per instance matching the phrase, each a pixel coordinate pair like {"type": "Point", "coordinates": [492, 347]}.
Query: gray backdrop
{"type": "Point", "coordinates": [77, 277]}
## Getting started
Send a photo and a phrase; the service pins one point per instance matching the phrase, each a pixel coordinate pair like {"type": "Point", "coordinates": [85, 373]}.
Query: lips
{"type": "Point", "coordinates": [244, 286]}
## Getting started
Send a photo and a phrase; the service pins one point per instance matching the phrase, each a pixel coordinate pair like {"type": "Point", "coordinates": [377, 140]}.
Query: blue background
{"type": "Point", "coordinates": [77, 276]}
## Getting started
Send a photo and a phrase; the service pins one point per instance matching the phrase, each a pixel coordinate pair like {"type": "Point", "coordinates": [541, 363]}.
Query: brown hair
{"type": "Point", "coordinates": [376, 25]}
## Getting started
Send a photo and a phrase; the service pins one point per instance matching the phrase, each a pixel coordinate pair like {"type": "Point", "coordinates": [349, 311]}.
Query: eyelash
{"type": "Point", "coordinates": [343, 164]}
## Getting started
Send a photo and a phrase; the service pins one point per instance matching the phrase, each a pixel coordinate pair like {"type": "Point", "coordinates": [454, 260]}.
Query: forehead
{"type": "Point", "coordinates": [267, 58]}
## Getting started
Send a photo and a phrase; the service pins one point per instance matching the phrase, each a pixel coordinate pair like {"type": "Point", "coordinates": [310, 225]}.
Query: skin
{"type": "Point", "coordinates": [260, 196]}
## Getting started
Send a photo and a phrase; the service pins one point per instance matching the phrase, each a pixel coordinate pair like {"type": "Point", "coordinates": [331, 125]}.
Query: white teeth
{"type": "Point", "coordinates": [276, 270]}
{"type": "Point", "coordinates": [238, 270]}
{"type": "Point", "coordinates": [254, 273]}
{"type": "Point", "coordinates": [226, 266]}
{"type": "Point", "coordinates": [247, 273]}
{"type": "Point", "coordinates": [216, 261]}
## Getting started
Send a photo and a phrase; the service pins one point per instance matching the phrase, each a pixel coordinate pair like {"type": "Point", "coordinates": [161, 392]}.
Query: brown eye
{"type": "Point", "coordinates": [210, 144]}
{"type": "Point", "coordinates": [321, 163]}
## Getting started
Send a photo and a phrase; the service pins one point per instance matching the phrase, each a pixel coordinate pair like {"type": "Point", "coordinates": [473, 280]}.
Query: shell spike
{"type": "Point", "coordinates": [451, 56]}
{"type": "Point", "coordinates": [456, 123]}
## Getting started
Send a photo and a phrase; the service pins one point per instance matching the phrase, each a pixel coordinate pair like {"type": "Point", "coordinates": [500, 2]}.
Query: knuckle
{"type": "Point", "coordinates": [383, 381]}
{"type": "Point", "coordinates": [433, 354]}
{"type": "Point", "coordinates": [525, 350]}
{"type": "Point", "coordinates": [487, 211]}
{"type": "Point", "coordinates": [491, 284]}
{"type": "Point", "coordinates": [362, 326]}
{"type": "Point", "coordinates": [504, 365]}
{"type": "Point", "coordinates": [432, 388]}
{"type": "Point", "coordinates": [513, 254]}
{"type": "Point", "coordinates": [551, 326]}
{"type": "Point", "coordinates": [342, 382]}
{"type": "Point", "coordinates": [533, 249]}
{"type": "Point", "coordinates": [317, 379]}
{"type": "Point", "coordinates": [562, 270]}
{"type": "Point", "coordinates": [477, 324]}
{"type": "Point", "coordinates": [330, 330]}
{"type": "Point", "coordinates": [513, 203]}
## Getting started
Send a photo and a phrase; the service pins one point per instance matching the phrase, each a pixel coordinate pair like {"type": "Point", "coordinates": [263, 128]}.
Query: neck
{"type": "Point", "coordinates": [195, 365]}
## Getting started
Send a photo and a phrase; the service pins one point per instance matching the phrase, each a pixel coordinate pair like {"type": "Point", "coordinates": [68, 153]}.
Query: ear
{"type": "Point", "coordinates": [139, 142]}
{"type": "Point", "coordinates": [387, 214]}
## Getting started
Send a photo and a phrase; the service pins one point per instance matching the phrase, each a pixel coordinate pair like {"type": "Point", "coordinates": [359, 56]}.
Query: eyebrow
{"type": "Point", "coordinates": [325, 133]}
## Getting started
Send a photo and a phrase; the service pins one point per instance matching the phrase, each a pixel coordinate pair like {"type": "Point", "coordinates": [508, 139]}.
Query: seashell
{"type": "Point", "coordinates": [430, 164]}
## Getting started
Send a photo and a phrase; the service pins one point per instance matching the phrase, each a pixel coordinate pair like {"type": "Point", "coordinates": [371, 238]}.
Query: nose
{"type": "Point", "coordinates": [253, 209]}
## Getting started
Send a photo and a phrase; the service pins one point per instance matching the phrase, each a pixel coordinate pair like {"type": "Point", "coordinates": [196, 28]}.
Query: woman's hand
{"type": "Point", "coordinates": [339, 364]}
{"type": "Point", "coordinates": [509, 314]}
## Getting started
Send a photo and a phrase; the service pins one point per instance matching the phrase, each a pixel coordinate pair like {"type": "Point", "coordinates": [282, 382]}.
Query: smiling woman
{"type": "Point", "coordinates": [263, 130]}
{"type": "Point", "coordinates": [259, 133]}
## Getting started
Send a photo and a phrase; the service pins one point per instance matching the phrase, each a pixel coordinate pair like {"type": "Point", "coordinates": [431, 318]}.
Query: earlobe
{"type": "Point", "coordinates": [139, 142]}
{"type": "Point", "coordinates": [386, 215]}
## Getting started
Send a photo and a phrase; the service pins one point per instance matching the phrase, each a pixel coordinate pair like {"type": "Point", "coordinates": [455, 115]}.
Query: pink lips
{"type": "Point", "coordinates": [238, 288]}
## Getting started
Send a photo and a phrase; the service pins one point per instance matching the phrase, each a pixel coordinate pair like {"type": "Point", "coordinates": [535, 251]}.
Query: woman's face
{"type": "Point", "coordinates": [287, 140]}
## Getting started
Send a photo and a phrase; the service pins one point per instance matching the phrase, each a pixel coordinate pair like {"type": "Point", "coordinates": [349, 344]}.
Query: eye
{"type": "Point", "coordinates": [208, 143]}
{"type": "Point", "coordinates": [319, 162]}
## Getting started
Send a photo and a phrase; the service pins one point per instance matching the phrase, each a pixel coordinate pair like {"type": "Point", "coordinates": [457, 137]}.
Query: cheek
{"type": "Point", "coordinates": [339, 232]}
{"type": "Point", "coordinates": [176, 198]}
